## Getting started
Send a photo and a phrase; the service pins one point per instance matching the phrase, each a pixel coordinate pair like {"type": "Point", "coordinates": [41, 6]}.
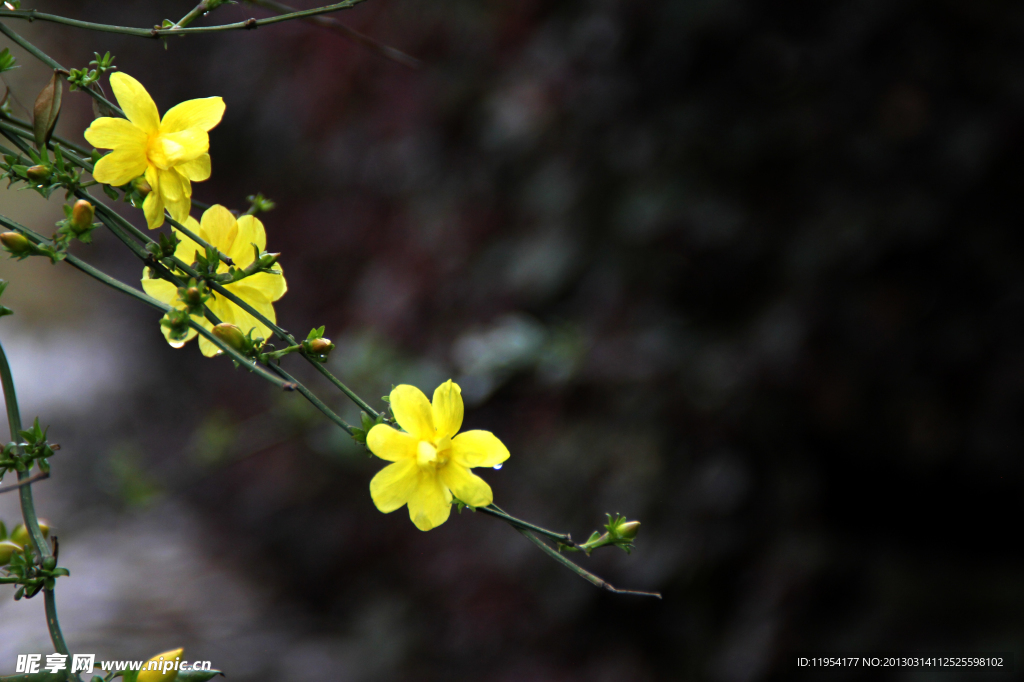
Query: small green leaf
{"type": "Point", "coordinates": [7, 60]}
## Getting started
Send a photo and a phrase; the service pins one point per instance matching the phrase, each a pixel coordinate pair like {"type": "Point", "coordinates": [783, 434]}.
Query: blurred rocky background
{"type": "Point", "coordinates": [751, 272]}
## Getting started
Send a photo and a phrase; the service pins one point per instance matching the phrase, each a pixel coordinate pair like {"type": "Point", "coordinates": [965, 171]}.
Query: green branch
{"type": "Point", "coordinates": [28, 507]}
{"type": "Point", "coordinates": [158, 32]}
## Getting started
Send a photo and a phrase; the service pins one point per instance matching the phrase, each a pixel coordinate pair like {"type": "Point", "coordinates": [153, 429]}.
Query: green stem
{"type": "Point", "coordinates": [46, 59]}
{"type": "Point", "coordinates": [319, 404]}
{"type": "Point", "coordinates": [28, 507]}
{"type": "Point", "coordinates": [156, 32]}
{"type": "Point", "coordinates": [191, 16]}
{"type": "Point", "coordinates": [579, 570]}
{"type": "Point", "coordinates": [29, 134]}
{"type": "Point", "coordinates": [159, 305]}
{"type": "Point", "coordinates": [519, 524]}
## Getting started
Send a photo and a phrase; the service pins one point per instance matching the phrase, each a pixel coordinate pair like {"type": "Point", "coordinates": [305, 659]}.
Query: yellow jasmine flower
{"type": "Point", "coordinates": [234, 238]}
{"type": "Point", "coordinates": [431, 463]}
{"type": "Point", "coordinates": [172, 153]}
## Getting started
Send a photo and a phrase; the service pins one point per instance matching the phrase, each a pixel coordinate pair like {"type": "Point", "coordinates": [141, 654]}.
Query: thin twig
{"type": "Point", "coordinates": [158, 32]}
{"type": "Point", "coordinates": [28, 481]}
{"type": "Point", "coordinates": [579, 570]}
{"type": "Point", "coordinates": [333, 24]}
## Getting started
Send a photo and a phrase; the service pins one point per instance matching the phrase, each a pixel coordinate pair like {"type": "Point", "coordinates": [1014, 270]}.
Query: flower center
{"type": "Point", "coordinates": [433, 455]}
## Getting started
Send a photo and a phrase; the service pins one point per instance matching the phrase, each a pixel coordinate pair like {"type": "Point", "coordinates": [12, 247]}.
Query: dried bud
{"type": "Point", "coordinates": [321, 346]}
{"type": "Point", "coordinates": [38, 174]}
{"type": "Point", "coordinates": [141, 186]}
{"type": "Point", "coordinates": [81, 216]}
{"type": "Point", "coordinates": [231, 335]}
{"type": "Point", "coordinates": [7, 550]}
{"type": "Point", "coordinates": [628, 530]}
{"type": "Point", "coordinates": [161, 668]}
{"type": "Point", "coordinates": [16, 243]}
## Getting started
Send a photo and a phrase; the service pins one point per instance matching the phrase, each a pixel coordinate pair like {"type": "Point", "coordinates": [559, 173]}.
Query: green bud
{"type": "Point", "coordinates": [7, 550]}
{"type": "Point", "coordinates": [268, 259]}
{"type": "Point", "coordinates": [321, 346]}
{"type": "Point", "coordinates": [81, 216]}
{"type": "Point", "coordinates": [628, 530]}
{"type": "Point", "coordinates": [193, 296]}
{"type": "Point", "coordinates": [38, 174]}
{"type": "Point", "coordinates": [176, 323]}
{"type": "Point", "coordinates": [231, 335]}
{"type": "Point", "coordinates": [141, 186]}
{"type": "Point", "coordinates": [16, 243]}
{"type": "Point", "coordinates": [49, 563]}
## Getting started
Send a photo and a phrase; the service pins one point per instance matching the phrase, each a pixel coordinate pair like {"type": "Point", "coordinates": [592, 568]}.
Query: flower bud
{"type": "Point", "coordinates": [141, 186]}
{"type": "Point", "coordinates": [7, 550]}
{"type": "Point", "coordinates": [628, 530]}
{"type": "Point", "coordinates": [50, 563]}
{"type": "Point", "coordinates": [193, 296]}
{"type": "Point", "coordinates": [268, 259]}
{"type": "Point", "coordinates": [231, 335]}
{"type": "Point", "coordinates": [16, 243]}
{"type": "Point", "coordinates": [38, 174]}
{"type": "Point", "coordinates": [161, 667]}
{"type": "Point", "coordinates": [81, 216]}
{"type": "Point", "coordinates": [21, 536]}
{"type": "Point", "coordinates": [321, 346]}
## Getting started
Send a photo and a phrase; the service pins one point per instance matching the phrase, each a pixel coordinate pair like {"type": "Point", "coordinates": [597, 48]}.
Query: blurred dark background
{"type": "Point", "coordinates": [750, 272]}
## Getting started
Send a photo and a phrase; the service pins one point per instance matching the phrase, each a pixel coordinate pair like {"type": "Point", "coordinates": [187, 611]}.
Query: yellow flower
{"type": "Point", "coordinates": [157, 673]}
{"type": "Point", "coordinates": [235, 238]}
{"type": "Point", "coordinates": [172, 153]}
{"type": "Point", "coordinates": [431, 463]}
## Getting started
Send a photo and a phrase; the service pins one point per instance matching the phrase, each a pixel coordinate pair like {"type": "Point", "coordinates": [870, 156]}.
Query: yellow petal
{"type": "Point", "coordinates": [230, 312]}
{"type": "Point", "coordinates": [391, 444]}
{"type": "Point", "coordinates": [208, 348]}
{"type": "Point", "coordinates": [478, 449]}
{"type": "Point", "coordinates": [466, 486]}
{"type": "Point", "coordinates": [202, 113]}
{"type": "Point", "coordinates": [272, 286]}
{"type": "Point", "coordinates": [394, 484]}
{"type": "Point", "coordinates": [153, 207]}
{"type": "Point", "coordinates": [430, 503]}
{"type": "Point", "coordinates": [179, 208]}
{"type": "Point", "coordinates": [191, 144]}
{"type": "Point", "coordinates": [187, 248]}
{"type": "Point", "coordinates": [412, 411]}
{"type": "Point", "coordinates": [254, 297]}
{"type": "Point", "coordinates": [250, 231]}
{"type": "Point", "coordinates": [196, 170]}
{"type": "Point", "coordinates": [119, 167]}
{"type": "Point", "coordinates": [219, 227]}
{"type": "Point", "coordinates": [447, 409]}
{"type": "Point", "coordinates": [171, 186]}
{"type": "Point", "coordinates": [137, 104]}
{"type": "Point", "coordinates": [116, 133]}
{"type": "Point", "coordinates": [160, 289]}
